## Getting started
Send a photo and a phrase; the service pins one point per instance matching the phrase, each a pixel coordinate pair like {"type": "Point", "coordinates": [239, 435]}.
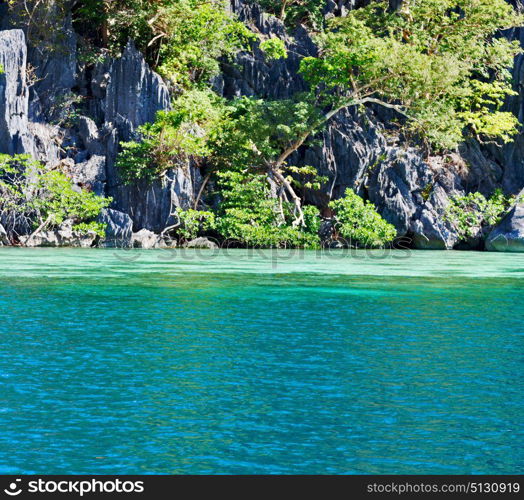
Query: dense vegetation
{"type": "Point", "coordinates": [473, 215]}
{"type": "Point", "coordinates": [439, 65]}
{"type": "Point", "coordinates": [45, 202]}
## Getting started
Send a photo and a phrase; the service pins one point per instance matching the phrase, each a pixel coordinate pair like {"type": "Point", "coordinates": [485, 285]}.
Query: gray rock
{"type": "Point", "coordinates": [119, 228]}
{"type": "Point", "coordinates": [134, 93]}
{"type": "Point", "coordinates": [46, 141]}
{"type": "Point", "coordinates": [90, 136]}
{"type": "Point", "coordinates": [508, 235]}
{"type": "Point", "coordinates": [14, 93]}
{"type": "Point", "coordinates": [201, 243]}
{"type": "Point", "coordinates": [91, 174]}
{"type": "Point", "coordinates": [430, 233]}
{"type": "Point", "coordinates": [18, 134]}
{"type": "Point", "coordinates": [150, 204]}
{"type": "Point", "coordinates": [145, 239]}
{"type": "Point", "coordinates": [55, 68]}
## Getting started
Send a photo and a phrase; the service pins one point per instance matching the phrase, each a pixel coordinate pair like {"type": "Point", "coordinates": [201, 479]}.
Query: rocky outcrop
{"type": "Point", "coordinates": [19, 135]}
{"type": "Point", "coordinates": [132, 95]}
{"type": "Point", "coordinates": [145, 239]}
{"type": "Point", "coordinates": [119, 228]}
{"type": "Point", "coordinates": [64, 236]}
{"type": "Point", "coordinates": [203, 243]}
{"type": "Point", "coordinates": [54, 64]}
{"type": "Point", "coordinates": [508, 235]}
{"type": "Point", "coordinates": [90, 174]}
{"type": "Point", "coordinates": [352, 151]}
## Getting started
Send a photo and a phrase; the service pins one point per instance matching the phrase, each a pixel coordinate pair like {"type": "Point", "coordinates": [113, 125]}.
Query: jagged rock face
{"type": "Point", "coordinates": [251, 74]}
{"type": "Point", "coordinates": [19, 135]}
{"type": "Point", "coordinates": [134, 93]}
{"type": "Point", "coordinates": [126, 94]}
{"type": "Point", "coordinates": [14, 94]}
{"type": "Point", "coordinates": [55, 73]}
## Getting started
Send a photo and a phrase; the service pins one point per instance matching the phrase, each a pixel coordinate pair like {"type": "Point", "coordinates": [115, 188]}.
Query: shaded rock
{"type": "Point", "coordinates": [201, 243]}
{"type": "Point", "coordinates": [4, 238]}
{"type": "Point", "coordinates": [430, 233]}
{"type": "Point", "coordinates": [119, 228]}
{"type": "Point", "coordinates": [91, 174]}
{"type": "Point", "coordinates": [145, 239]}
{"type": "Point", "coordinates": [150, 204]}
{"type": "Point", "coordinates": [251, 74]}
{"type": "Point", "coordinates": [54, 64]}
{"type": "Point", "coordinates": [508, 235]}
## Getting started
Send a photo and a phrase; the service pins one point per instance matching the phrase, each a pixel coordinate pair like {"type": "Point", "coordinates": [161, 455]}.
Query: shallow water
{"type": "Point", "coordinates": [261, 362]}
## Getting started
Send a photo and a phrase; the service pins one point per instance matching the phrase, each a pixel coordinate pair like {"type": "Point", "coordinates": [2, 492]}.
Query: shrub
{"type": "Point", "coordinates": [192, 222]}
{"type": "Point", "coordinates": [359, 223]}
{"type": "Point", "coordinates": [473, 213]}
{"type": "Point", "coordinates": [173, 137]}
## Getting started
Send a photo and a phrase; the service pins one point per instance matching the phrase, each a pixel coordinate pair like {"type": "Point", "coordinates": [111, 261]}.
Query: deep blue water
{"type": "Point", "coordinates": [153, 362]}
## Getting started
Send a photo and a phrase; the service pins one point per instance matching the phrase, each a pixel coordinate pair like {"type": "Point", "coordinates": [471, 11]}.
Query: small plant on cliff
{"type": "Point", "coordinates": [274, 48]}
{"type": "Point", "coordinates": [473, 214]}
{"type": "Point", "coordinates": [309, 12]}
{"type": "Point", "coordinates": [359, 223]}
{"type": "Point", "coordinates": [173, 138]}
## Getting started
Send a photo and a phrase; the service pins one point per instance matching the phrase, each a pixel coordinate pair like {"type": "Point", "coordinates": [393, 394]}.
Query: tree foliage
{"type": "Point", "coordinates": [182, 39]}
{"type": "Point", "coordinates": [292, 12]}
{"type": "Point", "coordinates": [249, 215]}
{"type": "Point", "coordinates": [439, 63]}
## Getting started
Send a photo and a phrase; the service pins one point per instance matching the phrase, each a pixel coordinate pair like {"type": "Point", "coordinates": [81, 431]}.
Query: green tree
{"type": "Point", "coordinates": [33, 198]}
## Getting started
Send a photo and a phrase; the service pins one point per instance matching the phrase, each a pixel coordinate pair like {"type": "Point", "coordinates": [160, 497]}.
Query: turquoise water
{"type": "Point", "coordinates": [230, 362]}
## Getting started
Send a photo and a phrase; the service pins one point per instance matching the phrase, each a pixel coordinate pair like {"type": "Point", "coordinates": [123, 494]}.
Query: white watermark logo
{"type": "Point", "coordinates": [14, 488]}
{"type": "Point", "coordinates": [72, 487]}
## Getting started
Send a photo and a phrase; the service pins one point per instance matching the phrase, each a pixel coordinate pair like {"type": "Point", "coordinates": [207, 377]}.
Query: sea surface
{"type": "Point", "coordinates": [261, 362]}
